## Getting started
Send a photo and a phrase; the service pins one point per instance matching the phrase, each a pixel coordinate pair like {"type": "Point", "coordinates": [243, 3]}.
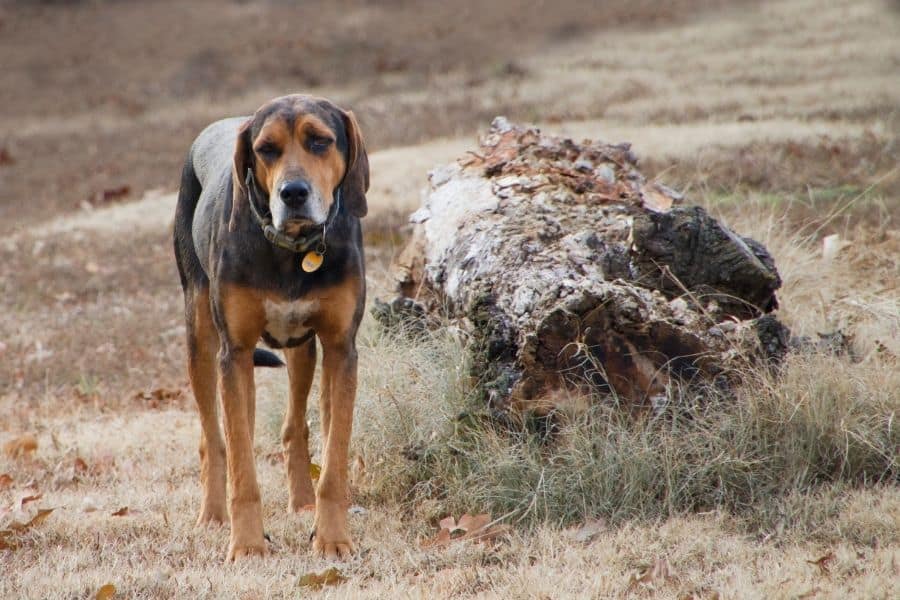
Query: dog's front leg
{"type": "Point", "coordinates": [301, 362]}
{"type": "Point", "coordinates": [236, 364]}
{"type": "Point", "coordinates": [332, 493]}
{"type": "Point", "coordinates": [239, 318]}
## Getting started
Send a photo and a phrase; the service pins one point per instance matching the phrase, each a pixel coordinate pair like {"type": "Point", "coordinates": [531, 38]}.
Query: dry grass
{"type": "Point", "coordinates": [736, 493]}
{"type": "Point", "coordinates": [802, 442]}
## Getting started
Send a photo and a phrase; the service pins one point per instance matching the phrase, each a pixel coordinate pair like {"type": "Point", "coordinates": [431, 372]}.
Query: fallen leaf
{"type": "Point", "coordinates": [106, 592]}
{"type": "Point", "coordinates": [6, 481]}
{"type": "Point", "coordinates": [472, 524]}
{"type": "Point", "coordinates": [79, 465]}
{"type": "Point", "coordinates": [160, 396]}
{"type": "Point", "coordinates": [317, 581]}
{"type": "Point", "coordinates": [702, 593]}
{"type": "Point", "coordinates": [110, 195]}
{"type": "Point", "coordinates": [121, 512]}
{"type": "Point", "coordinates": [29, 497]}
{"type": "Point", "coordinates": [102, 464]}
{"type": "Point", "coordinates": [488, 534]}
{"type": "Point", "coordinates": [7, 541]}
{"type": "Point", "coordinates": [37, 519]}
{"type": "Point", "coordinates": [587, 531]}
{"type": "Point", "coordinates": [655, 200]}
{"type": "Point", "coordinates": [314, 471]}
{"type": "Point", "coordinates": [441, 539]}
{"type": "Point", "coordinates": [656, 574]}
{"type": "Point", "coordinates": [21, 446]}
{"type": "Point", "coordinates": [822, 562]}
{"type": "Point", "coordinates": [469, 528]}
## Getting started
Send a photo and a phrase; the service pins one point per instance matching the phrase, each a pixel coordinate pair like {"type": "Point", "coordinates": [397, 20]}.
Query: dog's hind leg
{"type": "Point", "coordinates": [203, 342]}
{"type": "Point", "coordinates": [301, 363]}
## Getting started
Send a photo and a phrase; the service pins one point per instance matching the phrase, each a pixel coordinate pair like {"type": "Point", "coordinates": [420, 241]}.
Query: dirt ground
{"type": "Point", "coordinates": [780, 115]}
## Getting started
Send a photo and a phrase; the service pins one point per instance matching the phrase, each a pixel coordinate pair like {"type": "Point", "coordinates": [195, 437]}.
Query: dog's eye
{"type": "Point", "coordinates": [268, 151]}
{"type": "Point", "coordinates": [318, 145]}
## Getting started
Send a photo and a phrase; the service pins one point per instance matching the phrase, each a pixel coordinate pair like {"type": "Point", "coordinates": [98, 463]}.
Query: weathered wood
{"type": "Point", "coordinates": [570, 271]}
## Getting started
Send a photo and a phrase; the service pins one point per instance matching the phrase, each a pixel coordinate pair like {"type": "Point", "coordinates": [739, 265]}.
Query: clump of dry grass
{"type": "Point", "coordinates": [822, 421]}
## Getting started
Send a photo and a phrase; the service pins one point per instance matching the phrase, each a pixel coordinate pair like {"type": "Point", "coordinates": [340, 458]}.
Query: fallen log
{"type": "Point", "coordinates": [570, 271]}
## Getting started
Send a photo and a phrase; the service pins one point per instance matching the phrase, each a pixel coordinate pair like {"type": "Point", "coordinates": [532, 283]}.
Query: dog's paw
{"type": "Point", "coordinates": [331, 535]}
{"type": "Point", "coordinates": [333, 550]}
{"type": "Point", "coordinates": [237, 551]}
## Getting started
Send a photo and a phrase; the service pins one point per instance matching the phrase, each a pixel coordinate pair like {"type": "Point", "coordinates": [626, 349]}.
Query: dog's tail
{"type": "Point", "coordinates": [264, 358]}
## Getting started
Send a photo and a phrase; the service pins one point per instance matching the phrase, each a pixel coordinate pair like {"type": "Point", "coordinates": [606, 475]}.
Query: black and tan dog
{"type": "Point", "coordinates": [268, 245]}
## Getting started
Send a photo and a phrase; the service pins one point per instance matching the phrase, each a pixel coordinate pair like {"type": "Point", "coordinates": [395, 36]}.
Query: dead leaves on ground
{"type": "Point", "coordinates": [822, 562]}
{"type": "Point", "coordinates": [9, 537]}
{"type": "Point", "coordinates": [107, 196]}
{"type": "Point", "coordinates": [37, 519]}
{"type": "Point", "coordinates": [74, 469]}
{"type": "Point", "coordinates": [29, 496]}
{"type": "Point", "coordinates": [659, 574]}
{"type": "Point", "coordinates": [476, 528]}
{"type": "Point", "coordinates": [652, 576]}
{"type": "Point", "coordinates": [21, 447]}
{"type": "Point", "coordinates": [106, 592]}
{"type": "Point", "coordinates": [317, 581]}
{"type": "Point", "coordinates": [5, 157]}
{"type": "Point", "coordinates": [160, 397]}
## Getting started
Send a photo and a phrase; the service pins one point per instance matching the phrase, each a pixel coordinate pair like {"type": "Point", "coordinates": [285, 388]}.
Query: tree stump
{"type": "Point", "coordinates": [570, 271]}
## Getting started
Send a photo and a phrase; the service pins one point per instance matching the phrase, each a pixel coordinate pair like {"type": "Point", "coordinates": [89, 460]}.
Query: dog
{"type": "Point", "coordinates": [269, 246]}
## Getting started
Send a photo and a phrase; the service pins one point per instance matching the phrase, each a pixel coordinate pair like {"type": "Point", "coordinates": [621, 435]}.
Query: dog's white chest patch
{"type": "Point", "coordinates": [286, 321]}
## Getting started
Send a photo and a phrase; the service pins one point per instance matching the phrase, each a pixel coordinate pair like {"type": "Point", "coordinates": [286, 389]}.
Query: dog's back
{"type": "Point", "coordinates": [212, 152]}
{"type": "Point", "coordinates": [204, 179]}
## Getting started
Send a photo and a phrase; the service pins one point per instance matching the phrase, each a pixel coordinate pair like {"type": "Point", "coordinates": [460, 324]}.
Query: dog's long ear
{"type": "Point", "coordinates": [356, 180]}
{"type": "Point", "coordinates": [242, 161]}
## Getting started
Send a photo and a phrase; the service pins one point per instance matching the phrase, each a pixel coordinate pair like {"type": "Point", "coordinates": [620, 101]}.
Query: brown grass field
{"type": "Point", "coordinates": [779, 116]}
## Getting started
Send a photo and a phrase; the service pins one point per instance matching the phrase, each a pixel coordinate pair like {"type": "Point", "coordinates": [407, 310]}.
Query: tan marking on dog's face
{"type": "Point", "coordinates": [305, 151]}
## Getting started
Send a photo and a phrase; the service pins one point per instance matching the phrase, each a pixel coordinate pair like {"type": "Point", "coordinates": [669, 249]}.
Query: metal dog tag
{"type": "Point", "coordinates": [312, 260]}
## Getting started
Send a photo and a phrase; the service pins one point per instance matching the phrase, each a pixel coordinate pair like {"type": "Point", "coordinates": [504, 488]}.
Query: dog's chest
{"type": "Point", "coordinates": [287, 323]}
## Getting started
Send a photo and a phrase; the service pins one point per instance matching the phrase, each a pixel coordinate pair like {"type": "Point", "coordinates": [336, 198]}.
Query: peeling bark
{"type": "Point", "coordinates": [570, 270]}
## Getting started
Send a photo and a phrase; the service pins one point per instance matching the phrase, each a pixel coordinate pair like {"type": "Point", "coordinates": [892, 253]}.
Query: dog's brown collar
{"type": "Point", "coordinates": [299, 244]}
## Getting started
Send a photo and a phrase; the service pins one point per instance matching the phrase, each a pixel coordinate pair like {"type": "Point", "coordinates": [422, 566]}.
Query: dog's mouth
{"type": "Point", "coordinates": [296, 227]}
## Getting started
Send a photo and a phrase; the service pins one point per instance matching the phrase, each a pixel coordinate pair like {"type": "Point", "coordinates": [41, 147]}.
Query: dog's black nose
{"type": "Point", "coordinates": [294, 193]}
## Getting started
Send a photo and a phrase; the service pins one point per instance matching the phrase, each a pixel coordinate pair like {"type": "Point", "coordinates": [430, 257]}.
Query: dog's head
{"type": "Point", "coordinates": [301, 150]}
